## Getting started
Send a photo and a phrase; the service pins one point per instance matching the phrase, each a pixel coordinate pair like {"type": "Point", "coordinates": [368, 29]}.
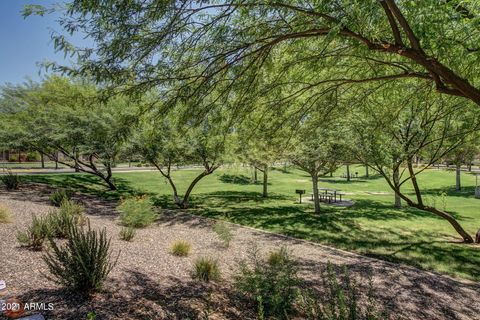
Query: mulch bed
{"type": "Point", "coordinates": [150, 283]}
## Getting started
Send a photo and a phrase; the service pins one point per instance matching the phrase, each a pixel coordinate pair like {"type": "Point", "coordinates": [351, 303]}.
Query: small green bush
{"type": "Point", "coordinates": [223, 232]}
{"type": "Point", "coordinates": [137, 212]}
{"type": "Point", "coordinates": [5, 216]}
{"type": "Point", "coordinates": [83, 263]}
{"type": "Point", "coordinates": [59, 196]}
{"type": "Point", "coordinates": [32, 156]}
{"type": "Point", "coordinates": [10, 180]}
{"type": "Point", "coordinates": [206, 270]}
{"type": "Point", "coordinates": [272, 283]}
{"type": "Point", "coordinates": [180, 248]}
{"type": "Point", "coordinates": [69, 213]}
{"type": "Point", "coordinates": [36, 234]}
{"type": "Point", "coordinates": [127, 234]}
{"type": "Point", "coordinates": [340, 300]}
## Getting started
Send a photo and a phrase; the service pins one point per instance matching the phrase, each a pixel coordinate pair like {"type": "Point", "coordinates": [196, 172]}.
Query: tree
{"type": "Point", "coordinates": [171, 140]}
{"type": "Point", "coordinates": [464, 154]}
{"type": "Point", "coordinates": [64, 118]}
{"type": "Point", "coordinates": [318, 151]}
{"type": "Point", "coordinates": [417, 123]}
{"type": "Point", "coordinates": [261, 141]}
{"type": "Point", "coordinates": [367, 41]}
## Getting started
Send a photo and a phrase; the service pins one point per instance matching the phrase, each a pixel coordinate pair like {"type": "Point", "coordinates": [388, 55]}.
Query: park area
{"type": "Point", "coordinates": [269, 160]}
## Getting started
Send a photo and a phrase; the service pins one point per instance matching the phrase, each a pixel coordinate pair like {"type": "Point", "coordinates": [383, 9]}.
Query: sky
{"type": "Point", "coordinates": [25, 42]}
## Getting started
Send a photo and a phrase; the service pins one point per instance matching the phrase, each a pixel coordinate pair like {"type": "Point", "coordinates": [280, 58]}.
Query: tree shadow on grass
{"type": "Point", "coordinates": [342, 228]}
{"type": "Point", "coordinates": [87, 184]}
{"type": "Point", "coordinates": [240, 179]}
{"type": "Point", "coordinates": [465, 192]}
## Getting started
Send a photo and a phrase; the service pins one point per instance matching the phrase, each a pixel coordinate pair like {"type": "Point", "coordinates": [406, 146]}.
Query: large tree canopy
{"type": "Point", "coordinates": [147, 43]}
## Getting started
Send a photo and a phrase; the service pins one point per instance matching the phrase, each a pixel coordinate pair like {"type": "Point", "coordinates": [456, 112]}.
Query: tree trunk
{"type": "Point", "coordinates": [316, 198]}
{"type": "Point", "coordinates": [466, 237]}
{"type": "Point", "coordinates": [255, 176]}
{"type": "Point", "coordinates": [75, 152]}
{"type": "Point", "coordinates": [185, 202]}
{"type": "Point", "coordinates": [458, 186]}
{"type": "Point", "coordinates": [111, 185]}
{"type": "Point", "coordinates": [366, 172]}
{"type": "Point", "coordinates": [265, 181]}
{"type": "Point", "coordinates": [56, 161]}
{"type": "Point", "coordinates": [348, 172]}
{"type": "Point", "coordinates": [19, 157]}
{"type": "Point", "coordinates": [42, 160]}
{"type": "Point", "coordinates": [396, 181]}
{"type": "Point", "coordinates": [413, 177]}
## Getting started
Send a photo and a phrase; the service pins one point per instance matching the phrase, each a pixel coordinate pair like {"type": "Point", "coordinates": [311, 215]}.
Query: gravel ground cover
{"type": "Point", "coordinates": [150, 283]}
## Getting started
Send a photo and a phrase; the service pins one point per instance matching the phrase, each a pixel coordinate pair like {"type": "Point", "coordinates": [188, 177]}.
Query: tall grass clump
{"type": "Point", "coordinates": [83, 263]}
{"type": "Point", "coordinates": [57, 197]}
{"type": "Point", "coordinates": [180, 248]}
{"type": "Point", "coordinates": [5, 216]}
{"type": "Point", "coordinates": [206, 270]}
{"type": "Point", "coordinates": [127, 233]}
{"type": "Point", "coordinates": [10, 180]}
{"type": "Point", "coordinates": [137, 212]}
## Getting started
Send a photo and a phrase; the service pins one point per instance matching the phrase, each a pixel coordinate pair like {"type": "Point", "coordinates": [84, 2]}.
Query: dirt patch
{"type": "Point", "coordinates": [150, 283]}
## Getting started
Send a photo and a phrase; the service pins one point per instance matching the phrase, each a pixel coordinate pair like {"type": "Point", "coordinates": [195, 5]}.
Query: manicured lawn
{"type": "Point", "coordinates": [371, 227]}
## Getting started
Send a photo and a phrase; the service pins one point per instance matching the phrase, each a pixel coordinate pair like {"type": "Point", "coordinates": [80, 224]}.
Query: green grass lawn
{"type": "Point", "coordinates": [370, 227]}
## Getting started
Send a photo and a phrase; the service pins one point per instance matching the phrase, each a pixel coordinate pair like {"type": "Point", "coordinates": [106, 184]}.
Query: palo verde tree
{"type": "Point", "coordinates": [67, 122]}
{"type": "Point", "coordinates": [414, 122]}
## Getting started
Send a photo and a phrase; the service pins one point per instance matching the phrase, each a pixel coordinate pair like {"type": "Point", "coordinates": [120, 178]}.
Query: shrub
{"type": "Point", "coordinates": [180, 248]}
{"type": "Point", "coordinates": [83, 263]}
{"type": "Point", "coordinates": [36, 234]}
{"type": "Point", "coordinates": [5, 216]}
{"type": "Point", "coordinates": [137, 212]}
{"type": "Point", "coordinates": [32, 156]}
{"type": "Point", "coordinates": [10, 180]}
{"type": "Point", "coordinates": [206, 270]}
{"type": "Point", "coordinates": [339, 300]}
{"type": "Point", "coordinates": [223, 232]}
{"type": "Point", "coordinates": [69, 213]}
{"type": "Point", "coordinates": [127, 234]}
{"type": "Point", "coordinates": [272, 283]}
{"type": "Point", "coordinates": [59, 196]}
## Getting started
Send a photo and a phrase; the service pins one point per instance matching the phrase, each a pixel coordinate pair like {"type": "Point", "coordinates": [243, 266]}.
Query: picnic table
{"type": "Point", "coordinates": [328, 195]}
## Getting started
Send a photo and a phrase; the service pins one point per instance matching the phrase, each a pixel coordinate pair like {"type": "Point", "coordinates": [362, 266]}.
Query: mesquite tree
{"type": "Point", "coordinates": [370, 41]}
{"type": "Point", "coordinates": [170, 141]}
{"type": "Point", "coordinates": [67, 122]}
{"type": "Point", "coordinates": [415, 123]}
{"type": "Point", "coordinates": [318, 152]}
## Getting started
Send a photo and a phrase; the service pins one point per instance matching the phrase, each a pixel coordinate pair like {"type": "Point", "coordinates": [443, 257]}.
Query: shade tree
{"type": "Point", "coordinates": [318, 149]}
{"type": "Point", "coordinates": [372, 41]}
{"type": "Point", "coordinates": [418, 122]}
{"type": "Point", "coordinates": [176, 139]}
{"type": "Point", "coordinates": [68, 122]}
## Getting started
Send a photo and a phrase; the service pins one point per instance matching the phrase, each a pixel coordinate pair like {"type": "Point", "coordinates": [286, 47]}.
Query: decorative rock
{"type": "Point", "coordinates": [33, 317]}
